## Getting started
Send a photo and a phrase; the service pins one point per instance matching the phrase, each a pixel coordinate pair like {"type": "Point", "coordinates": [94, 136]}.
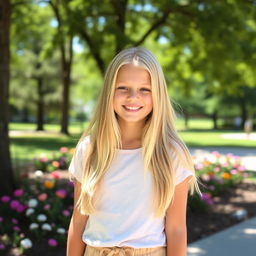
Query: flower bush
{"type": "Point", "coordinates": [40, 211]}
{"type": "Point", "coordinates": [217, 173]}
{"type": "Point", "coordinates": [58, 161]}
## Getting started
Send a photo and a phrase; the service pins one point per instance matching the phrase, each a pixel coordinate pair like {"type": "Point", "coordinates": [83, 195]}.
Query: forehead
{"type": "Point", "coordinates": [130, 73]}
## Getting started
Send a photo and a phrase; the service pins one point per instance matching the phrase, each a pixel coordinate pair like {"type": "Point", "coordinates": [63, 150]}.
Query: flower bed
{"type": "Point", "coordinates": [39, 211]}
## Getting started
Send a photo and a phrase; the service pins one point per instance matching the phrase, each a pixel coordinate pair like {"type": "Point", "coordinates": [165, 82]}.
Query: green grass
{"type": "Point", "coordinates": [29, 144]}
{"type": "Point", "coordinates": [206, 138]}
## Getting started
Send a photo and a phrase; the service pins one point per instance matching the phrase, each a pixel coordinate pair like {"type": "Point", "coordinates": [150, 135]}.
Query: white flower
{"type": "Point", "coordinates": [38, 173]}
{"type": "Point", "coordinates": [29, 211]}
{"type": "Point", "coordinates": [41, 217]}
{"type": "Point", "coordinates": [32, 203]}
{"type": "Point", "coordinates": [46, 226]}
{"type": "Point", "coordinates": [33, 226]}
{"type": "Point", "coordinates": [26, 243]}
{"type": "Point", "coordinates": [61, 230]}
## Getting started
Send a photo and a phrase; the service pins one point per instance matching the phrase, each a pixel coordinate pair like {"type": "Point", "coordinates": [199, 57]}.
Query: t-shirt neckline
{"type": "Point", "coordinates": [129, 150]}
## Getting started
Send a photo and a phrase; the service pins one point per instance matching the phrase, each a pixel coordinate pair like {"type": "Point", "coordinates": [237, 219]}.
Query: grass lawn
{"type": "Point", "coordinates": [25, 146]}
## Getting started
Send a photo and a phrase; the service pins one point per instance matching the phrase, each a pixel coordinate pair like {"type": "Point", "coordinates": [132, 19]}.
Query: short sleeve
{"type": "Point", "coordinates": [76, 165]}
{"type": "Point", "coordinates": [181, 173]}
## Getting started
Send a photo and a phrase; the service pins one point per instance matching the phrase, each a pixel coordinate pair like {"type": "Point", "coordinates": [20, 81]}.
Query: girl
{"type": "Point", "coordinates": [131, 171]}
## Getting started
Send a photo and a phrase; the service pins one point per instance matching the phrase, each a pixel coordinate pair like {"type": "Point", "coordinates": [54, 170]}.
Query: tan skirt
{"type": "Point", "coordinates": [124, 251]}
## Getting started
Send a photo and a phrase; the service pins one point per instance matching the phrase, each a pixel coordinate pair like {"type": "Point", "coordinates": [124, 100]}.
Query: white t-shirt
{"type": "Point", "coordinates": [124, 213]}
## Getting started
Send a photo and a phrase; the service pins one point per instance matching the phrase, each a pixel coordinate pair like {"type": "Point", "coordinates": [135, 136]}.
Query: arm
{"type": "Point", "coordinates": [75, 245]}
{"type": "Point", "coordinates": [175, 221]}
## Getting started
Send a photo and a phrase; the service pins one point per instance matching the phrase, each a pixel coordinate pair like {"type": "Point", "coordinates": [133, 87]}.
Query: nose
{"type": "Point", "coordinates": [133, 93]}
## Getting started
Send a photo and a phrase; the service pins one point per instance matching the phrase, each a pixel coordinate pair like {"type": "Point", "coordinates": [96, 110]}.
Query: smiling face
{"type": "Point", "coordinates": [132, 99]}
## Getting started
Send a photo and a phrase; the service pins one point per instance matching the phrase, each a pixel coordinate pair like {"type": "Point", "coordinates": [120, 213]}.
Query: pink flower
{"type": "Point", "coordinates": [241, 168]}
{"type": "Point", "coordinates": [52, 242]}
{"type": "Point", "coordinates": [42, 197]}
{"type": "Point", "coordinates": [18, 192]}
{"type": "Point", "coordinates": [216, 154]}
{"type": "Point", "coordinates": [43, 159]}
{"type": "Point", "coordinates": [47, 207]}
{"type": "Point", "coordinates": [55, 174]}
{"type": "Point", "coordinates": [216, 169]}
{"type": "Point", "coordinates": [66, 213]}
{"type": "Point", "coordinates": [199, 166]}
{"type": "Point", "coordinates": [5, 199]}
{"type": "Point", "coordinates": [1, 219]}
{"type": "Point", "coordinates": [233, 171]}
{"type": "Point", "coordinates": [14, 204]}
{"type": "Point", "coordinates": [63, 149]}
{"type": "Point", "coordinates": [224, 164]}
{"type": "Point", "coordinates": [61, 193]}
{"type": "Point", "coordinates": [229, 155]}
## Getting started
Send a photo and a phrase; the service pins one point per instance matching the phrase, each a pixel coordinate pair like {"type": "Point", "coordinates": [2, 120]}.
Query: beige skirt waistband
{"type": "Point", "coordinates": [124, 251]}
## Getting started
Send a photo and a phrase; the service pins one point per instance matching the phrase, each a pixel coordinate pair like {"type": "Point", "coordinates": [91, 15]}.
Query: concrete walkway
{"type": "Point", "coordinates": [248, 155]}
{"type": "Point", "coordinates": [238, 240]}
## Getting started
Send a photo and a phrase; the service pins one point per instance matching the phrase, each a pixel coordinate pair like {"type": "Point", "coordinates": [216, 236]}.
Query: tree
{"type": "Point", "coordinates": [6, 174]}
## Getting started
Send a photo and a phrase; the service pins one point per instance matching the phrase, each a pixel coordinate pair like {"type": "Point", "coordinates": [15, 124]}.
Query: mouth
{"type": "Point", "coordinates": [132, 109]}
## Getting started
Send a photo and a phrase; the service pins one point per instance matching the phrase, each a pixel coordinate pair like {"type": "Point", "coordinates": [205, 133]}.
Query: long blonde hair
{"type": "Point", "coordinates": [160, 140]}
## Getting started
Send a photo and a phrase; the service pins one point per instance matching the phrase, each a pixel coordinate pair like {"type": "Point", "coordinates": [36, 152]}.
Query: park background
{"type": "Point", "coordinates": [53, 55]}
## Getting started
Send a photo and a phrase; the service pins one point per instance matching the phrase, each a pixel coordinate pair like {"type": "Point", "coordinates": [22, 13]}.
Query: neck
{"type": "Point", "coordinates": [131, 133]}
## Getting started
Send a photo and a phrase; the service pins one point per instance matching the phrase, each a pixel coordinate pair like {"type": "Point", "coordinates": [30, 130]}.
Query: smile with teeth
{"type": "Point", "coordinates": [128, 108]}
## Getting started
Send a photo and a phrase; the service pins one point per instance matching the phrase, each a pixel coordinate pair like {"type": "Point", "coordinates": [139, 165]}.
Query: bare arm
{"type": "Point", "coordinates": [175, 222]}
{"type": "Point", "coordinates": [75, 245]}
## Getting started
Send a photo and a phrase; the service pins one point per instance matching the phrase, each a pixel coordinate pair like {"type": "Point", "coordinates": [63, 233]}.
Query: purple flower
{"type": "Point", "coordinates": [5, 199]}
{"type": "Point", "coordinates": [1, 219]}
{"type": "Point", "coordinates": [16, 228]}
{"type": "Point", "coordinates": [21, 208]}
{"type": "Point", "coordinates": [14, 204]}
{"type": "Point", "coordinates": [18, 192]}
{"type": "Point", "coordinates": [47, 207]}
{"type": "Point", "coordinates": [207, 198]}
{"type": "Point", "coordinates": [52, 242]}
{"type": "Point", "coordinates": [66, 213]}
{"type": "Point", "coordinates": [2, 246]}
{"type": "Point", "coordinates": [71, 184]}
{"type": "Point", "coordinates": [61, 193]}
{"type": "Point", "coordinates": [15, 221]}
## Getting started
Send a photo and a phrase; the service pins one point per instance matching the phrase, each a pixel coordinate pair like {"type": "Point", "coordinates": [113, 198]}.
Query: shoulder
{"type": "Point", "coordinates": [83, 144]}
{"type": "Point", "coordinates": [180, 164]}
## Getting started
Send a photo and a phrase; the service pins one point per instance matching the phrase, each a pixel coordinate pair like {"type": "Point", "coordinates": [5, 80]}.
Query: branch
{"type": "Point", "coordinates": [95, 52]}
{"type": "Point", "coordinates": [161, 21]}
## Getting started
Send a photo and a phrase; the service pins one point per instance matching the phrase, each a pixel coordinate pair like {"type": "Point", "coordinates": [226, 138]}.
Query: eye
{"type": "Point", "coordinates": [121, 88]}
{"type": "Point", "coordinates": [145, 89]}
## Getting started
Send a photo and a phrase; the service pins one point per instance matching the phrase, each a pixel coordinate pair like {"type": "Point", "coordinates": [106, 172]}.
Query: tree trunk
{"type": "Point", "coordinates": [66, 73]}
{"type": "Point", "coordinates": [6, 172]}
{"type": "Point", "coordinates": [215, 119]}
{"type": "Point", "coordinates": [40, 105]}
{"type": "Point", "coordinates": [243, 108]}
{"type": "Point", "coordinates": [186, 119]}
{"type": "Point", "coordinates": [25, 115]}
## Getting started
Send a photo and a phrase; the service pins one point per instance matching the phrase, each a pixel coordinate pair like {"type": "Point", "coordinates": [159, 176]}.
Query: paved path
{"type": "Point", "coordinates": [238, 240]}
{"type": "Point", "coordinates": [248, 155]}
